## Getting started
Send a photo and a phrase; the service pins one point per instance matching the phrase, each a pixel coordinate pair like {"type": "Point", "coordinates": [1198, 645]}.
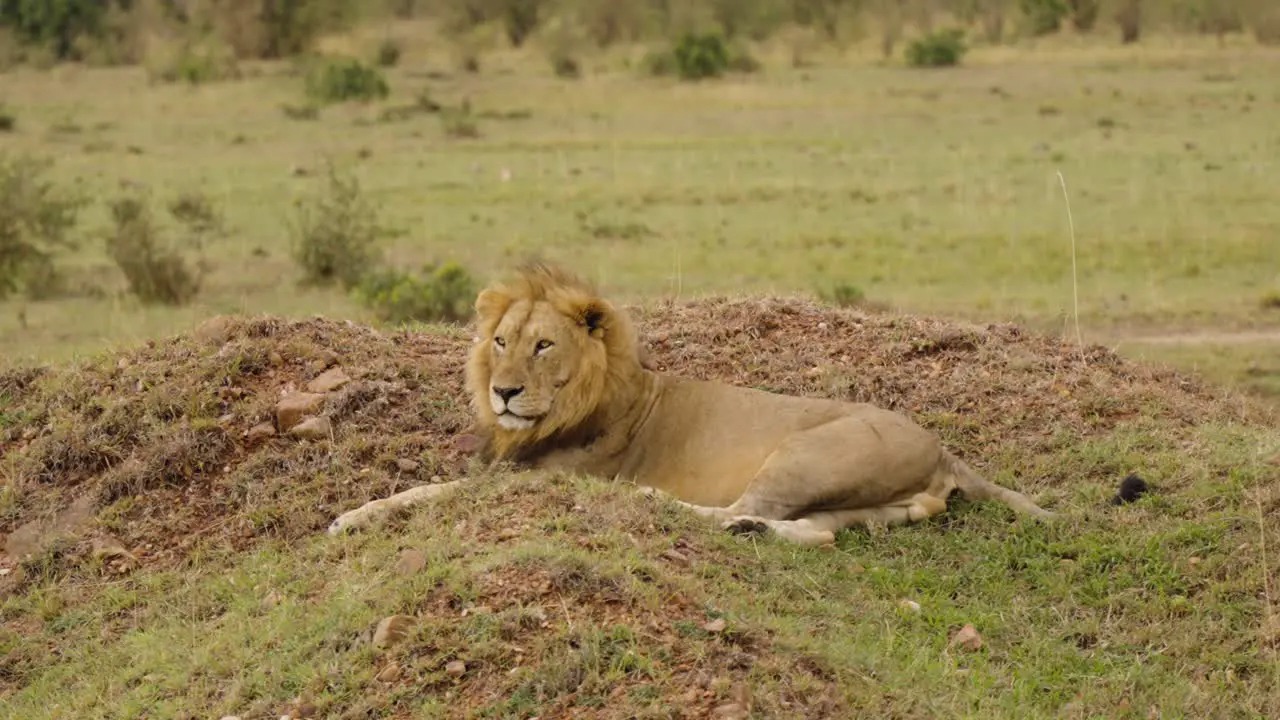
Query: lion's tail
{"type": "Point", "coordinates": [976, 487]}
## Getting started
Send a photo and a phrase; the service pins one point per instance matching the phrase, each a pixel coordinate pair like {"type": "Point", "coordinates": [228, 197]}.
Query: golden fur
{"type": "Point", "coordinates": [557, 381]}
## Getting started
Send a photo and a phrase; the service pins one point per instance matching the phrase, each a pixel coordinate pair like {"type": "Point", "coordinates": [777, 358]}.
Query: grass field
{"type": "Point", "coordinates": [161, 560]}
{"type": "Point", "coordinates": [931, 191]}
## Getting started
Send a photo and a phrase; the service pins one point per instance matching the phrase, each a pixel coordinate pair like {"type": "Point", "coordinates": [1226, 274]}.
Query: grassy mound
{"type": "Point", "coordinates": [164, 550]}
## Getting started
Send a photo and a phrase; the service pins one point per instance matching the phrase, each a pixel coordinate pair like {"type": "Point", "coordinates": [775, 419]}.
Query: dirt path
{"type": "Point", "coordinates": [1204, 337]}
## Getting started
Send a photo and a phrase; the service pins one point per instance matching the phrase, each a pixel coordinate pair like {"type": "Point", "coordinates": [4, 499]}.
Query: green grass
{"type": "Point", "coordinates": [932, 192]}
{"type": "Point", "coordinates": [1156, 607]}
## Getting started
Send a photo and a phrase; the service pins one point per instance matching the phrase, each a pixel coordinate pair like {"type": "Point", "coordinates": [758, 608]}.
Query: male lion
{"type": "Point", "coordinates": [556, 382]}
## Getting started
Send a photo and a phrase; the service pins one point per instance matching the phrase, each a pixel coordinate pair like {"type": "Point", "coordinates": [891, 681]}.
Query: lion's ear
{"type": "Point", "coordinates": [491, 303]}
{"type": "Point", "coordinates": [594, 316]}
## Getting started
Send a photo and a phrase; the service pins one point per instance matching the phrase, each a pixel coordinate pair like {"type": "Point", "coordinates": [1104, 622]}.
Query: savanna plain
{"type": "Point", "coordinates": [1061, 255]}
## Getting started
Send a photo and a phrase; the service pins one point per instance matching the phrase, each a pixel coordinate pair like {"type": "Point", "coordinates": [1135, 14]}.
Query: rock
{"type": "Point", "coordinates": [328, 381]}
{"type": "Point", "coordinates": [468, 443]}
{"type": "Point", "coordinates": [676, 557]}
{"type": "Point", "coordinates": [260, 432]}
{"type": "Point", "coordinates": [966, 638]}
{"type": "Point", "coordinates": [316, 428]}
{"type": "Point", "coordinates": [109, 549]}
{"type": "Point", "coordinates": [411, 561]}
{"type": "Point", "coordinates": [216, 330]}
{"type": "Point", "coordinates": [293, 408]}
{"type": "Point", "coordinates": [715, 626]}
{"type": "Point", "coordinates": [407, 466]}
{"type": "Point", "coordinates": [389, 674]}
{"type": "Point", "coordinates": [911, 605]}
{"type": "Point", "coordinates": [391, 630]}
{"type": "Point", "coordinates": [457, 668]}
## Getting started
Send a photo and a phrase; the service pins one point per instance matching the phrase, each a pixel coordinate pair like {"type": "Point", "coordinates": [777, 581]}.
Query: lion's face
{"type": "Point", "coordinates": [537, 367]}
{"type": "Point", "coordinates": [550, 356]}
{"type": "Point", "coordinates": [534, 353]}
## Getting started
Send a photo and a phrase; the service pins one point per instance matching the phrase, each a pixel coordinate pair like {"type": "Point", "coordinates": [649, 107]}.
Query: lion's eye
{"type": "Point", "coordinates": [542, 345]}
{"type": "Point", "coordinates": [499, 342]}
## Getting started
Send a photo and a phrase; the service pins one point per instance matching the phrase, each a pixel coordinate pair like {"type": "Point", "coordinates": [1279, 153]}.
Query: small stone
{"type": "Point", "coordinates": [967, 638]}
{"type": "Point", "coordinates": [457, 668]}
{"type": "Point", "coordinates": [215, 331]}
{"type": "Point", "coordinates": [676, 556]}
{"type": "Point", "coordinates": [226, 419]}
{"type": "Point", "coordinates": [328, 381]}
{"type": "Point", "coordinates": [30, 433]}
{"type": "Point", "coordinates": [294, 407]}
{"type": "Point", "coordinates": [316, 428]}
{"type": "Point", "coordinates": [108, 549]}
{"type": "Point", "coordinates": [715, 626]}
{"type": "Point", "coordinates": [391, 630]}
{"type": "Point", "coordinates": [407, 466]}
{"type": "Point", "coordinates": [822, 326]}
{"type": "Point", "coordinates": [468, 443]}
{"type": "Point", "coordinates": [230, 717]}
{"type": "Point", "coordinates": [261, 432]}
{"type": "Point", "coordinates": [411, 561]}
{"type": "Point", "coordinates": [122, 364]}
{"type": "Point", "coordinates": [1193, 560]}
{"type": "Point", "coordinates": [911, 605]}
{"type": "Point", "coordinates": [388, 674]}
{"type": "Point", "coordinates": [729, 710]}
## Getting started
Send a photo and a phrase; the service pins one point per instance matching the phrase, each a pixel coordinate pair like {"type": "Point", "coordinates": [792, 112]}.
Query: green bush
{"type": "Point", "coordinates": [335, 234]}
{"type": "Point", "coordinates": [198, 63]}
{"type": "Point", "coordinates": [1084, 14]}
{"type": "Point", "coordinates": [701, 55]}
{"type": "Point", "coordinates": [437, 293]}
{"type": "Point", "coordinates": [459, 122]}
{"type": "Point", "coordinates": [843, 295]}
{"type": "Point", "coordinates": [388, 53]}
{"type": "Point", "coordinates": [335, 80]}
{"type": "Point", "coordinates": [1044, 16]}
{"type": "Point", "coordinates": [59, 25]}
{"type": "Point", "coordinates": [942, 48]}
{"type": "Point", "coordinates": [36, 220]}
{"type": "Point", "coordinates": [157, 273]}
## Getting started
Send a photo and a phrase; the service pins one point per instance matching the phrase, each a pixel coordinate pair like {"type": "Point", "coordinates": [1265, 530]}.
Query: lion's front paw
{"type": "Point", "coordinates": [353, 519]}
{"type": "Point", "coordinates": [746, 525]}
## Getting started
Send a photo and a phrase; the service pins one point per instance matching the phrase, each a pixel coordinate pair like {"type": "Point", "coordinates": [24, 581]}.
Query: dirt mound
{"type": "Point", "coordinates": [177, 446]}
{"type": "Point", "coordinates": [177, 458]}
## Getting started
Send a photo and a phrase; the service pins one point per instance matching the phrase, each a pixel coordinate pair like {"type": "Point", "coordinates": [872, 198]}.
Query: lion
{"type": "Point", "coordinates": [557, 382]}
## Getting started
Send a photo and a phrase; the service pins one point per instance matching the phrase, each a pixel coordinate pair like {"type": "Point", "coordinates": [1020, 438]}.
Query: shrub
{"type": "Point", "coordinates": [843, 295]}
{"type": "Point", "coordinates": [459, 122]}
{"type": "Point", "coordinates": [197, 63]}
{"type": "Point", "coordinates": [335, 80]}
{"type": "Point", "coordinates": [198, 214]}
{"type": "Point", "coordinates": [565, 65]}
{"type": "Point", "coordinates": [8, 121]}
{"type": "Point", "coordinates": [1043, 16]}
{"type": "Point", "coordinates": [335, 234]}
{"type": "Point", "coordinates": [155, 271]}
{"type": "Point", "coordinates": [437, 293]}
{"type": "Point", "coordinates": [36, 220]}
{"type": "Point", "coordinates": [942, 48]}
{"type": "Point", "coordinates": [1084, 14]}
{"type": "Point", "coordinates": [58, 25]}
{"type": "Point", "coordinates": [1129, 17]}
{"type": "Point", "coordinates": [388, 53]}
{"type": "Point", "coordinates": [701, 55]}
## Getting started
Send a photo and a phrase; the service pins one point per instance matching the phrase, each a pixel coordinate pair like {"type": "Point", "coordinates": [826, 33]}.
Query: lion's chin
{"type": "Point", "coordinates": [511, 421]}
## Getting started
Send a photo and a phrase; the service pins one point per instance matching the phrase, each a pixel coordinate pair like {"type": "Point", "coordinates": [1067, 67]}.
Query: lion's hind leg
{"type": "Point", "coordinates": [820, 528]}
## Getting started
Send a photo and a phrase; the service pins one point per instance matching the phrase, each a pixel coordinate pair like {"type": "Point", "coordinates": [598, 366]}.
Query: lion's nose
{"type": "Point", "coordinates": [506, 393]}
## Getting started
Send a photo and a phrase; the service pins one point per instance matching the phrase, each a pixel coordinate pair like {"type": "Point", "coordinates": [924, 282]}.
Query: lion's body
{"type": "Point", "coordinates": [557, 383]}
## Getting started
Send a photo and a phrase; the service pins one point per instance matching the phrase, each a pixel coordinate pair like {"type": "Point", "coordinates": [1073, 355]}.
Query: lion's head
{"type": "Point", "coordinates": [551, 358]}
